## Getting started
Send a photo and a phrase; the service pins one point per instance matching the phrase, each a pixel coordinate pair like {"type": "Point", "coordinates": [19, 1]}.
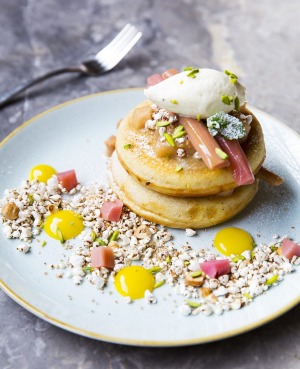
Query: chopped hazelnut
{"type": "Point", "coordinates": [52, 208]}
{"type": "Point", "coordinates": [10, 211]}
{"type": "Point", "coordinates": [194, 281]}
{"type": "Point", "coordinates": [142, 232]}
{"type": "Point", "coordinates": [205, 291]}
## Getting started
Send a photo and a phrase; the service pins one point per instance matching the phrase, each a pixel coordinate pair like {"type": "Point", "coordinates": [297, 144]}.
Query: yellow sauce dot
{"type": "Point", "coordinates": [41, 172]}
{"type": "Point", "coordinates": [133, 281]}
{"type": "Point", "coordinates": [233, 241]}
{"type": "Point", "coordinates": [63, 225]}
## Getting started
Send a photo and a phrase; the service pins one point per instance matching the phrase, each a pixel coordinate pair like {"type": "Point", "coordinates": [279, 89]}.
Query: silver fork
{"type": "Point", "coordinates": [105, 60]}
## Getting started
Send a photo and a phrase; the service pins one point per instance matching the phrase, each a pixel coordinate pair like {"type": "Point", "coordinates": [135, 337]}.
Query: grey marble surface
{"type": "Point", "coordinates": [259, 40]}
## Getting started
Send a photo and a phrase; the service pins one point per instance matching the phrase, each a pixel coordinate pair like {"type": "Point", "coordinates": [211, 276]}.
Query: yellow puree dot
{"type": "Point", "coordinates": [233, 240]}
{"type": "Point", "coordinates": [63, 225]}
{"type": "Point", "coordinates": [133, 281]}
{"type": "Point", "coordinates": [41, 172]}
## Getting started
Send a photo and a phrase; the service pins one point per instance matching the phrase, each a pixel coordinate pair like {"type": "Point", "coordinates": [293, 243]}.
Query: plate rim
{"type": "Point", "coordinates": [131, 342]}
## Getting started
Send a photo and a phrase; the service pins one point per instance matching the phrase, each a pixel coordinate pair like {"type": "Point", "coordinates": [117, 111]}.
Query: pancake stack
{"type": "Point", "coordinates": [179, 192]}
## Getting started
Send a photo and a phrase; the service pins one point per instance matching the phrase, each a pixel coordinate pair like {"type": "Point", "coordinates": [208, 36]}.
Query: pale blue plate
{"type": "Point", "coordinates": [71, 136]}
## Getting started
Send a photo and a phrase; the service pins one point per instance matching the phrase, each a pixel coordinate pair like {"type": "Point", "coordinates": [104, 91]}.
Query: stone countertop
{"type": "Point", "coordinates": [258, 40]}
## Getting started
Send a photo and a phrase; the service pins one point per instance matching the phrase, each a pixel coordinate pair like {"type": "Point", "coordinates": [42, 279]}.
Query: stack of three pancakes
{"type": "Point", "coordinates": [194, 197]}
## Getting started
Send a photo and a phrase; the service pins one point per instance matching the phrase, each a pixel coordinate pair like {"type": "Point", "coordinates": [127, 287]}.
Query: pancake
{"type": "Point", "coordinates": [175, 212]}
{"type": "Point", "coordinates": [195, 180]}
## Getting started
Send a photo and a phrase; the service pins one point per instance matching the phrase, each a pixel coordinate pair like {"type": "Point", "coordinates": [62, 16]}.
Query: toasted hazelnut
{"type": "Point", "coordinates": [110, 144]}
{"type": "Point", "coordinates": [194, 281]}
{"type": "Point", "coordinates": [10, 211]}
{"type": "Point", "coordinates": [52, 208]}
{"type": "Point", "coordinates": [205, 291]}
{"type": "Point", "coordinates": [142, 232]}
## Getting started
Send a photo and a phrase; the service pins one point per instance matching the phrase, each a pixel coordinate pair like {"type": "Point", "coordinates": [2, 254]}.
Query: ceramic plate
{"type": "Point", "coordinates": [71, 136]}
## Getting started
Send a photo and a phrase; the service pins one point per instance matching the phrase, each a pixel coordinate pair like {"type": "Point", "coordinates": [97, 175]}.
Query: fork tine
{"type": "Point", "coordinates": [113, 53]}
{"type": "Point", "coordinates": [120, 52]}
{"type": "Point", "coordinates": [119, 44]}
{"type": "Point", "coordinates": [116, 40]}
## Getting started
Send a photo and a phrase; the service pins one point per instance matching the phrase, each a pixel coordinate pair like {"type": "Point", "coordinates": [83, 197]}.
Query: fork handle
{"type": "Point", "coordinates": [6, 97]}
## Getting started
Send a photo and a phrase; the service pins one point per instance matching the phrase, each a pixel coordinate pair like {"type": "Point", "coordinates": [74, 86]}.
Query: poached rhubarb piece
{"type": "Point", "coordinates": [68, 179]}
{"type": "Point", "coordinates": [241, 170]}
{"type": "Point", "coordinates": [112, 210]}
{"type": "Point", "coordinates": [215, 268]}
{"type": "Point", "coordinates": [169, 73]}
{"type": "Point", "coordinates": [154, 80]}
{"type": "Point", "coordinates": [203, 142]}
{"type": "Point", "coordinates": [290, 248]}
{"type": "Point", "coordinates": [102, 257]}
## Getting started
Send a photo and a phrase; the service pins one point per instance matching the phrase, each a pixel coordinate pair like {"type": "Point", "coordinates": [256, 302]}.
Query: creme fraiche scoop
{"type": "Point", "coordinates": [198, 92]}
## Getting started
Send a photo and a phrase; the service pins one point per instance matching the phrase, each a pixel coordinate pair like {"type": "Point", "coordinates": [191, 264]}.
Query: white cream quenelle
{"type": "Point", "coordinates": [202, 93]}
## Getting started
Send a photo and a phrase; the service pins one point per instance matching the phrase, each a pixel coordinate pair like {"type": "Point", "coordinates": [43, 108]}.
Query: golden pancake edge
{"type": "Point", "coordinates": [177, 212]}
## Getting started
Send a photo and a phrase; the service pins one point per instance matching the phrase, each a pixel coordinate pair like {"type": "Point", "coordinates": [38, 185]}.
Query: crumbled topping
{"type": "Point", "coordinates": [226, 125]}
{"type": "Point", "coordinates": [134, 239]}
{"type": "Point", "coordinates": [166, 124]}
{"type": "Point", "coordinates": [24, 248]}
{"type": "Point", "coordinates": [190, 232]}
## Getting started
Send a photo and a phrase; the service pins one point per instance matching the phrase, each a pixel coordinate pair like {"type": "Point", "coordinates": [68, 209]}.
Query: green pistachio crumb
{"type": "Point", "coordinates": [196, 274]}
{"type": "Point", "coordinates": [178, 134]}
{"type": "Point", "coordinates": [227, 99]}
{"type": "Point", "coordinates": [114, 236]}
{"type": "Point", "coordinates": [188, 68]}
{"type": "Point", "coordinates": [173, 101]}
{"type": "Point", "coordinates": [93, 235]}
{"type": "Point", "coordinates": [178, 168]}
{"type": "Point", "coordinates": [87, 269]}
{"type": "Point", "coordinates": [154, 269]}
{"type": "Point", "coordinates": [273, 248]}
{"type": "Point", "coordinates": [237, 258]}
{"type": "Point", "coordinates": [159, 284]}
{"type": "Point", "coordinates": [192, 304]}
{"type": "Point", "coordinates": [198, 117]}
{"type": "Point", "coordinates": [237, 103]}
{"type": "Point", "coordinates": [127, 146]}
{"type": "Point", "coordinates": [193, 72]}
{"type": "Point", "coordinates": [233, 77]}
{"type": "Point", "coordinates": [100, 241]}
{"type": "Point", "coordinates": [247, 296]}
{"type": "Point", "coordinates": [43, 243]}
{"type": "Point", "coordinates": [31, 199]}
{"type": "Point", "coordinates": [221, 154]}
{"type": "Point", "coordinates": [181, 82]}
{"type": "Point", "coordinates": [271, 280]}
{"type": "Point", "coordinates": [162, 123]}
{"type": "Point", "coordinates": [178, 129]}
{"type": "Point", "coordinates": [168, 259]}
{"type": "Point", "coordinates": [169, 139]}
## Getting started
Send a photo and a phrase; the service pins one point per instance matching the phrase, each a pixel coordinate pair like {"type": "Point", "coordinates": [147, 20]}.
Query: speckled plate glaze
{"type": "Point", "coordinates": [71, 136]}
